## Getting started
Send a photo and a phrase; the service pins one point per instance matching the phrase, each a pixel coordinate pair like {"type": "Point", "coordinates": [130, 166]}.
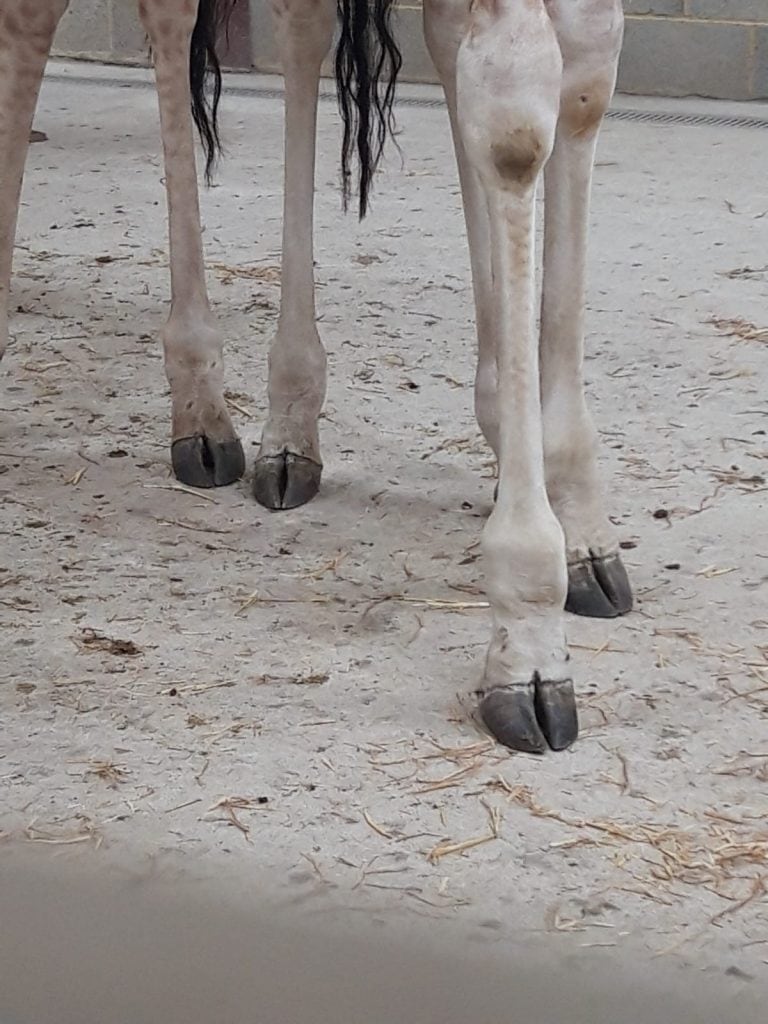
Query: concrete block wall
{"type": "Point", "coordinates": [102, 30]}
{"type": "Point", "coordinates": [714, 48]}
{"type": "Point", "coordinates": [110, 30]}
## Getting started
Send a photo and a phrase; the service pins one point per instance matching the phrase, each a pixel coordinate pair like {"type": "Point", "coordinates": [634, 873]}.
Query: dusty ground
{"type": "Point", "coordinates": [286, 691]}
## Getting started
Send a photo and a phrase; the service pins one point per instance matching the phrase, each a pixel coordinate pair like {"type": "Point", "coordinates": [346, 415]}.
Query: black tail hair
{"type": "Point", "coordinates": [367, 54]}
{"type": "Point", "coordinates": [205, 75]}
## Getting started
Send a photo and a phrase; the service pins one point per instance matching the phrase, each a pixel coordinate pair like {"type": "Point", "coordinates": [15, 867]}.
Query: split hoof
{"type": "Point", "coordinates": [532, 717]}
{"type": "Point", "coordinates": [202, 462]}
{"type": "Point", "coordinates": [285, 481]}
{"type": "Point", "coordinates": [598, 588]}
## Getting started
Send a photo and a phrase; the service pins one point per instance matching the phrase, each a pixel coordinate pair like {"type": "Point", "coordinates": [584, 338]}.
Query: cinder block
{"type": "Point", "coordinates": [715, 48]}
{"type": "Point", "coordinates": [669, 7]}
{"type": "Point", "coordinates": [85, 28]}
{"type": "Point", "coordinates": [686, 58]}
{"type": "Point", "coordinates": [417, 64]}
{"type": "Point", "coordinates": [729, 10]}
{"type": "Point", "coordinates": [760, 82]}
{"type": "Point", "coordinates": [128, 36]}
{"type": "Point", "coordinates": [264, 48]}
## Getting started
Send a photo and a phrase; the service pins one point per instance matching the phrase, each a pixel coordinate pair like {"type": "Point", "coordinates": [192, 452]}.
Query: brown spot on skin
{"type": "Point", "coordinates": [519, 155]}
{"type": "Point", "coordinates": [582, 110]}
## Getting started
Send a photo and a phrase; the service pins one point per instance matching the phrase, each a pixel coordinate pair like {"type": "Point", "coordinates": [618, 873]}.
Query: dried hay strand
{"type": "Point", "coordinates": [107, 771]}
{"type": "Point", "coordinates": [86, 832]}
{"type": "Point", "coordinates": [752, 273]}
{"type": "Point", "coordinates": [319, 571]}
{"type": "Point", "coordinates": [182, 489]}
{"type": "Point", "coordinates": [234, 401]}
{"type": "Point", "coordinates": [738, 327]}
{"type": "Point", "coordinates": [93, 640]}
{"type": "Point", "coordinates": [735, 477]}
{"type": "Point", "coordinates": [378, 829]}
{"type": "Point", "coordinates": [711, 855]}
{"type": "Point", "coordinates": [755, 765]}
{"type": "Point", "coordinates": [229, 805]}
{"type": "Point", "coordinates": [307, 679]}
{"type": "Point", "coordinates": [446, 849]}
{"type": "Point", "coordinates": [438, 603]}
{"type": "Point", "coordinates": [227, 274]}
{"type": "Point", "coordinates": [448, 781]}
{"type": "Point", "coordinates": [255, 598]}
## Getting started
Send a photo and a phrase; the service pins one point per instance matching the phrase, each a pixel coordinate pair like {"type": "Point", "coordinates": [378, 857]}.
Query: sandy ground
{"type": "Point", "coordinates": [189, 680]}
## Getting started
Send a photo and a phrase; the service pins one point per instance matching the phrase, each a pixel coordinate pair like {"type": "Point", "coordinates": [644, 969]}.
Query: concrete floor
{"type": "Point", "coordinates": [295, 698]}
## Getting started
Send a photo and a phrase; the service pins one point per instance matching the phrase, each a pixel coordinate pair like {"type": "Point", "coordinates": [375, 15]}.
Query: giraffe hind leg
{"type": "Point", "coordinates": [205, 450]}
{"type": "Point", "coordinates": [26, 35]}
{"type": "Point", "coordinates": [589, 34]}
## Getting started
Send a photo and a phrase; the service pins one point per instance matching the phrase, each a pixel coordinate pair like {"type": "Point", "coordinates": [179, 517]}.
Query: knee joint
{"type": "Point", "coordinates": [583, 105]}
{"type": "Point", "coordinates": [519, 155]}
{"type": "Point", "coordinates": [169, 24]}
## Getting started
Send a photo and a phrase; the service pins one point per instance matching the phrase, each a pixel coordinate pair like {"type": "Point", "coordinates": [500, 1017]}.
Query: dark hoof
{"type": "Point", "coordinates": [200, 462]}
{"type": "Point", "coordinates": [532, 717]}
{"type": "Point", "coordinates": [285, 481]}
{"type": "Point", "coordinates": [599, 588]}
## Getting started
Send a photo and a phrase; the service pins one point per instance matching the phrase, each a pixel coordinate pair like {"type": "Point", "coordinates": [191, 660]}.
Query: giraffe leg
{"type": "Point", "coordinates": [26, 33]}
{"type": "Point", "coordinates": [589, 33]}
{"type": "Point", "coordinates": [445, 25]}
{"type": "Point", "coordinates": [508, 79]}
{"type": "Point", "coordinates": [288, 467]}
{"type": "Point", "coordinates": [205, 449]}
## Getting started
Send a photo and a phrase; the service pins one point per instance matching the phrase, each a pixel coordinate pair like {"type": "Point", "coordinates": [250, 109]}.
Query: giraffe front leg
{"type": "Point", "coordinates": [26, 33]}
{"type": "Point", "coordinates": [589, 33]}
{"type": "Point", "coordinates": [508, 84]}
{"type": "Point", "coordinates": [445, 25]}
{"type": "Point", "coordinates": [288, 467]}
{"type": "Point", "coordinates": [205, 449]}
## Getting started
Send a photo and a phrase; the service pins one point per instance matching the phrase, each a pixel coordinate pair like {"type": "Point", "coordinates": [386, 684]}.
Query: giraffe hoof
{"type": "Point", "coordinates": [285, 481]}
{"type": "Point", "coordinates": [532, 717]}
{"type": "Point", "coordinates": [201, 462]}
{"type": "Point", "coordinates": [599, 588]}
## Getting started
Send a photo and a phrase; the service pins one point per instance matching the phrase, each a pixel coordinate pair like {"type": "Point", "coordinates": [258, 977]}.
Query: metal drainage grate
{"type": "Point", "coordinates": [661, 117]}
{"type": "Point", "coordinates": [641, 116]}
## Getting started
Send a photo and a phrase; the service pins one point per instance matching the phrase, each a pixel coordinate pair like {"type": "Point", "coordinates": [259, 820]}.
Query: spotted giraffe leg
{"type": "Point", "coordinates": [508, 81]}
{"type": "Point", "coordinates": [446, 22]}
{"type": "Point", "coordinates": [589, 33]}
{"type": "Point", "coordinates": [26, 33]}
{"type": "Point", "coordinates": [288, 467]}
{"type": "Point", "coordinates": [205, 449]}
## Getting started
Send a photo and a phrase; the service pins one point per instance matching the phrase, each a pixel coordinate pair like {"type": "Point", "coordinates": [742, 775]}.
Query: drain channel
{"type": "Point", "coordinates": [637, 116]}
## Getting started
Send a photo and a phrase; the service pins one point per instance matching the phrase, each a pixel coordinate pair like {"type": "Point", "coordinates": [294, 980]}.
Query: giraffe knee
{"type": "Point", "coordinates": [584, 103]}
{"type": "Point", "coordinates": [169, 21]}
{"type": "Point", "coordinates": [519, 154]}
{"type": "Point", "coordinates": [508, 84]}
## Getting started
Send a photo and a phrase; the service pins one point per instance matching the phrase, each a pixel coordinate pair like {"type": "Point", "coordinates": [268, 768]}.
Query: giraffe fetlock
{"type": "Point", "coordinates": [205, 450]}
{"type": "Point", "coordinates": [598, 586]}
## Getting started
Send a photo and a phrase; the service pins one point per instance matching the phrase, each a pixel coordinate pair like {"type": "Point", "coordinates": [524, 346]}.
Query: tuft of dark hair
{"type": "Point", "coordinates": [368, 62]}
{"type": "Point", "coordinates": [205, 75]}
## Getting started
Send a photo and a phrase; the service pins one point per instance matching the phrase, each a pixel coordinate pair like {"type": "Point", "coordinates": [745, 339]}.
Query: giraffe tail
{"type": "Point", "coordinates": [205, 75]}
{"type": "Point", "coordinates": [367, 65]}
